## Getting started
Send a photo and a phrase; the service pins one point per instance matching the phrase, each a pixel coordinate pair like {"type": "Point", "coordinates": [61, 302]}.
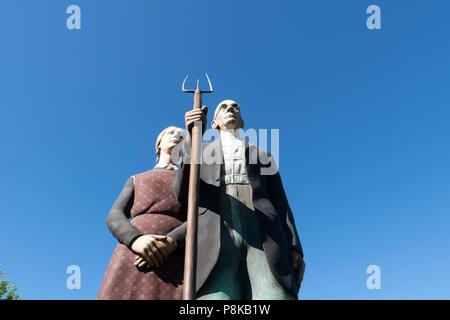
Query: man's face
{"type": "Point", "coordinates": [228, 116]}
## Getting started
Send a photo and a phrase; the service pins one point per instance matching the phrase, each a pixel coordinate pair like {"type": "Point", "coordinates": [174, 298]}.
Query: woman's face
{"type": "Point", "coordinates": [171, 138]}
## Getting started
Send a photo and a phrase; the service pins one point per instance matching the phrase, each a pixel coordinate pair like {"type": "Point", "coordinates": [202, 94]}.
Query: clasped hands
{"type": "Point", "coordinates": [152, 250]}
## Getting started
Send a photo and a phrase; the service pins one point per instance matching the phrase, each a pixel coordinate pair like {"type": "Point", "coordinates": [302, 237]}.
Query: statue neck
{"type": "Point", "coordinates": [165, 161]}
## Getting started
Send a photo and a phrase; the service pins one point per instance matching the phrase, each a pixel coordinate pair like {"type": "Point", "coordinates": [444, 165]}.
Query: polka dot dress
{"type": "Point", "coordinates": [155, 211]}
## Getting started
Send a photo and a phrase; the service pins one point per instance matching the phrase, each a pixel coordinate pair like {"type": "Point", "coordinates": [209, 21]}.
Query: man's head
{"type": "Point", "coordinates": [227, 116]}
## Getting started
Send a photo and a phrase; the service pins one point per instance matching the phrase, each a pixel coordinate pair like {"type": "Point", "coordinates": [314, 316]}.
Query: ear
{"type": "Point", "coordinates": [214, 124]}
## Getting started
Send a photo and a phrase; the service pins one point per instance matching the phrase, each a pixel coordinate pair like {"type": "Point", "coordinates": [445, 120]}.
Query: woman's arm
{"type": "Point", "coordinates": [179, 234]}
{"type": "Point", "coordinates": [118, 218]}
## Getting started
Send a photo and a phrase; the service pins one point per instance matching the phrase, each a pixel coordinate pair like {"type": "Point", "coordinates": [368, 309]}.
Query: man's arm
{"type": "Point", "coordinates": [181, 183]}
{"type": "Point", "coordinates": [281, 204]}
{"type": "Point", "coordinates": [279, 200]}
{"type": "Point", "coordinates": [118, 218]}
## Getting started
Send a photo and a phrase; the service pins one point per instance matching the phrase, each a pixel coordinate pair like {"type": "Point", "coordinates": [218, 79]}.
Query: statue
{"type": "Point", "coordinates": [142, 265]}
{"type": "Point", "coordinates": [248, 246]}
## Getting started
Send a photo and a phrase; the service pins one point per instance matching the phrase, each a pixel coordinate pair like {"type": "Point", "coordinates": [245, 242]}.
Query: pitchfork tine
{"type": "Point", "coordinates": [183, 88]}
{"type": "Point", "coordinates": [209, 82]}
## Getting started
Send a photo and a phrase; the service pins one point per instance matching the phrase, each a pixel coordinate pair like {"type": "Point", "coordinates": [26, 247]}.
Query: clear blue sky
{"type": "Point", "coordinates": [363, 117]}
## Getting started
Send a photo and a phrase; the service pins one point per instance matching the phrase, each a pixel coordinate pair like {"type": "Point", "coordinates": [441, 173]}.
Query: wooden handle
{"type": "Point", "coordinates": [190, 259]}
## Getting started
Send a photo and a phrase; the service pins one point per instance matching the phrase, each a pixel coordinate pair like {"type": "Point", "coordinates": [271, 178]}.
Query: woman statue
{"type": "Point", "coordinates": [142, 265]}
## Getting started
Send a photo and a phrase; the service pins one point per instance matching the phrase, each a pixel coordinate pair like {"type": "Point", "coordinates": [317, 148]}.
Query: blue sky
{"type": "Point", "coordinates": [363, 117]}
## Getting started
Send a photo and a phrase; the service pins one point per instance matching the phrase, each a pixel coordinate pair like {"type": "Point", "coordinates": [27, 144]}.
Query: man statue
{"type": "Point", "coordinates": [248, 246]}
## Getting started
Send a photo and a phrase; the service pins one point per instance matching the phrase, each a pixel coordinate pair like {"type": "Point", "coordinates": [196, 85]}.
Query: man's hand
{"type": "Point", "coordinates": [298, 264]}
{"type": "Point", "coordinates": [165, 246]}
{"type": "Point", "coordinates": [196, 115]}
{"type": "Point", "coordinates": [147, 247]}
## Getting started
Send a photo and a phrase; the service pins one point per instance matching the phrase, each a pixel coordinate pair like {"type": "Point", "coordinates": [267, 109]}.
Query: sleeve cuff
{"type": "Point", "coordinates": [131, 237]}
{"type": "Point", "coordinates": [295, 248]}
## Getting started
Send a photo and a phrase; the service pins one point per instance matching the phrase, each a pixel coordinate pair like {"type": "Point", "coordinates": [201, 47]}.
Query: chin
{"type": "Point", "coordinates": [169, 148]}
{"type": "Point", "coordinates": [231, 124]}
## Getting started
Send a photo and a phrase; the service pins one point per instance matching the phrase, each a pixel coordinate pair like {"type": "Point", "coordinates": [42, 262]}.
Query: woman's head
{"type": "Point", "coordinates": [168, 139]}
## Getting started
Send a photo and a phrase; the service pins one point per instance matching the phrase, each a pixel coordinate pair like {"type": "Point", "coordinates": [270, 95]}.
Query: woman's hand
{"type": "Point", "coordinates": [165, 245]}
{"type": "Point", "coordinates": [148, 248]}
